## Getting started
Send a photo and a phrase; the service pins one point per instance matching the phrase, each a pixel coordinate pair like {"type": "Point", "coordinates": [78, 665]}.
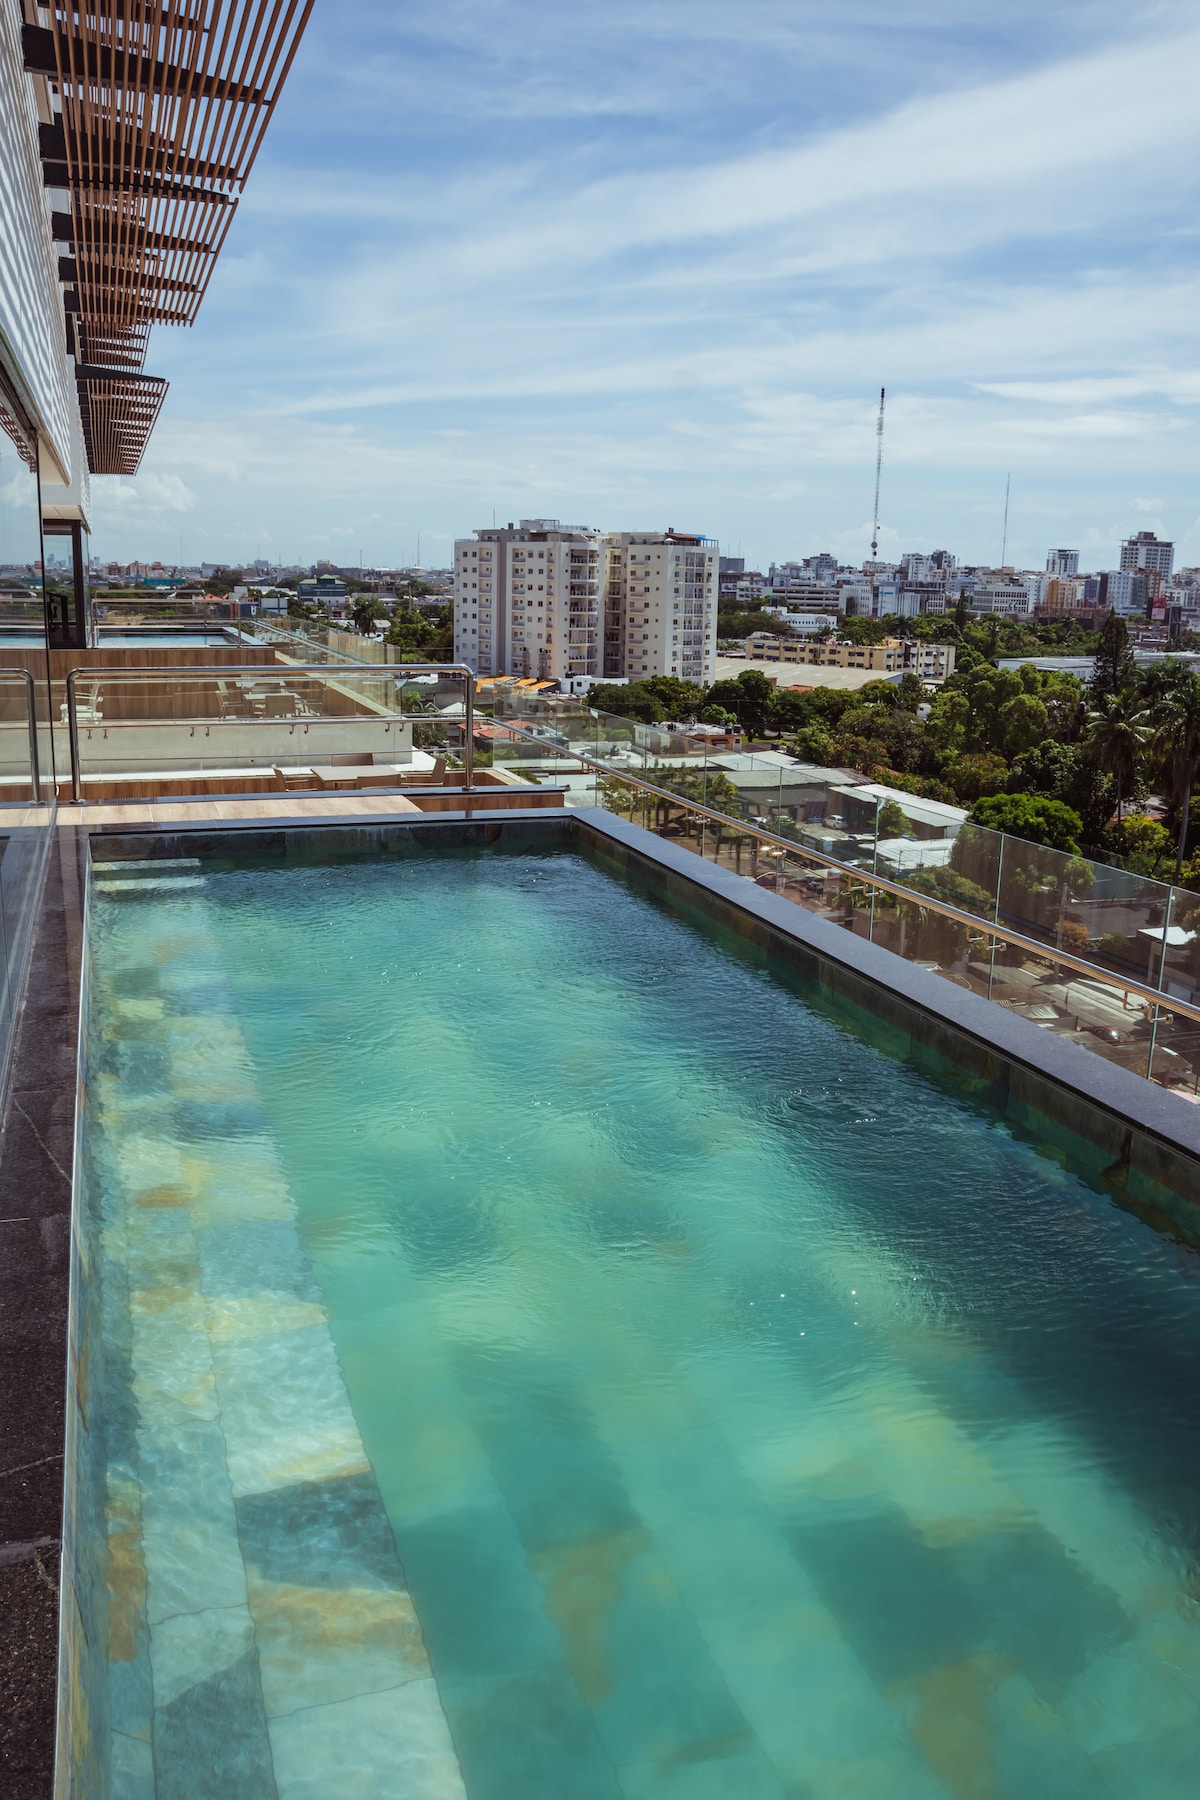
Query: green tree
{"type": "Point", "coordinates": [682, 699]}
{"type": "Point", "coordinates": [973, 777]}
{"type": "Point", "coordinates": [1118, 731]}
{"type": "Point", "coordinates": [1021, 722]}
{"type": "Point", "coordinates": [627, 700]}
{"type": "Point", "coordinates": [793, 710]}
{"type": "Point", "coordinates": [812, 744]}
{"type": "Point", "coordinates": [943, 940]}
{"type": "Point", "coordinates": [1177, 735]}
{"type": "Point", "coordinates": [893, 821]}
{"type": "Point", "coordinates": [1114, 668]}
{"type": "Point", "coordinates": [909, 692]}
{"type": "Point", "coordinates": [904, 735]}
{"type": "Point", "coordinates": [1063, 772]}
{"type": "Point", "coordinates": [879, 693]}
{"type": "Point", "coordinates": [946, 728]}
{"type": "Point", "coordinates": [1147, 845]}
{"type": "Point", "coordinates": [366, 611]}
{"type": "Point", "coordinates": [750, 698]}
{"type": "Point", "coordinates": [1029, 816]}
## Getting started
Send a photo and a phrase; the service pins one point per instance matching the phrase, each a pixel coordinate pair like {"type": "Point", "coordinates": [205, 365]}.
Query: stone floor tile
{"type": "Point", "coordinates": [172, 1363]}
{"type": "Point", "coordinates": [191, 1647]}
{"type": "Point", "coordinates": [210, 1741]}
{"type": "Point", "coordinates": [254, 1256]}
{"type": "Point", "coordinates": [482, 1610]}
{"type": "Point", "coordinates": [242, 1181]}
{"type": "Point", "coordinates": [131, 1776]}
{"type": "Point", "coordinates": [743, 1776]}
{"type": "Point", "coordinates": [242, 1318]}
{"type": "Point", "coordinates": [332, 1534]}
{"type": "Point", "coordinates": [322, 1644]}
{"type": "Point", "coordinates": [819, 1717]}
{"type": "Point", "coordinates": [131, 1695]}
{"type": "Point", "coordinates": [525, 1731]}
{"type": "Point", "coordinates": [285, 1412]}
{"type": "Point", "coordinates": [389, 1746]}
{"type": "Point", "coordinates": [191, 1565]}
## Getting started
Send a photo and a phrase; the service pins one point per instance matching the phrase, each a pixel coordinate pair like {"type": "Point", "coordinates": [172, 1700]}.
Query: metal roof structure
{"type": "Point", "coordinates": [161, 106]}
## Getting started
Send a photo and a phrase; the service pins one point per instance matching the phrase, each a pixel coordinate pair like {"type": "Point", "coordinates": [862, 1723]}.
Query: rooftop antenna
{"type": "Point", "coordinates": [878, 472]}
{"type": "Point", "coordinates": [1004, 539]}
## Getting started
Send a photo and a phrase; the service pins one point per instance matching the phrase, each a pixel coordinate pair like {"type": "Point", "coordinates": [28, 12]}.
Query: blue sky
{"type": "Point", "coordinates": [648, 264]}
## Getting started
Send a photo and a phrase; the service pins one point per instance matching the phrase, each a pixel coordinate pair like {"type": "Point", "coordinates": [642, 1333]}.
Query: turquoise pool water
{"type": "Point", "coordinates": [546, 1359]}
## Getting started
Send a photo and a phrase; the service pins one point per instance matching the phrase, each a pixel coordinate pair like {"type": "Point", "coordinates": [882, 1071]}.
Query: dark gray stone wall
{"type": "Point", "coordinates": [36, 1150]}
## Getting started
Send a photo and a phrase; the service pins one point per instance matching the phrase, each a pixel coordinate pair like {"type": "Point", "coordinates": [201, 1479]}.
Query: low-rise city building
{"type": "Point", "coordinates": [930, 662]}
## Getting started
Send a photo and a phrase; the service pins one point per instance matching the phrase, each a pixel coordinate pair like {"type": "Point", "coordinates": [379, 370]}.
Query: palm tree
{"type": "Point", "coordinates": [1177, 718]}
{"type": "Point", "coordinates": [1118, 731]}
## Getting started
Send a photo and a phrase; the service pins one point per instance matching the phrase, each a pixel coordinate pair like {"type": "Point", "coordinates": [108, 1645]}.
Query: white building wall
{"type": "Point", "coordinates": [661, 606]}
{"type": "Point", "coordinates": [527, 601]}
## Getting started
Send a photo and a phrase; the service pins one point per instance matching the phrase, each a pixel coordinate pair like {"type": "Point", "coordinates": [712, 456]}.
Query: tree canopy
{"type": "Point", "coordinates": [1032, 817]}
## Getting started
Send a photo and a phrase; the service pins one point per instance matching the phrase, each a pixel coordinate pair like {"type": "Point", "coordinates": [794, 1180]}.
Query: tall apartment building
{"type": "Point", "coordinates": [527, 600]}
{"type": "Point", "coordinates": [660, 607]}
{"type": "Point", "coordinates": [1062, 564]}
{"type": "Point", "coordinates": [1124, 590]}
{"type": "Point", "coordinates": [1145, 552]}
{"type": "Point", "coordinates": [553, 601]}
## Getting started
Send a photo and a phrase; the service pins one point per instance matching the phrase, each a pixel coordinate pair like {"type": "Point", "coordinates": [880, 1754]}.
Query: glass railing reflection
{"type": "Point", "coordinates": [1121, 928]}
{"type": "Point", "coordinates": [258, 727]}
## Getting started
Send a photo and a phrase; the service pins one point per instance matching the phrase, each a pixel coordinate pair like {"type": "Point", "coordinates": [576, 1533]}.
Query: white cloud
{"type": "Point", "coordinates": [151, 498]}
{"type": "Point", "coordinates": [700, 319]}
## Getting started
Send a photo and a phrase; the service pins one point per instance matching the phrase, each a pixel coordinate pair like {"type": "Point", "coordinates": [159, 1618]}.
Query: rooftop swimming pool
{"type": "Point", "coordinates": [140, 637]}
{"type": "Point", "coordinates": [146, 637]}
{"type": "Point", "coordinates": [524, 1351]}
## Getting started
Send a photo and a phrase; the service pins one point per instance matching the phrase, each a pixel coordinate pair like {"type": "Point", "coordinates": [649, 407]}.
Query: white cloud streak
{"type": "Point", "coordinates": [714, 326]}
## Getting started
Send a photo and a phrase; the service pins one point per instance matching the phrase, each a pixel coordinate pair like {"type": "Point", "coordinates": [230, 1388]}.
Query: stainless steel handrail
{"type": "Point", "coordinates": [993, 929]}
{"type": "Point", "coordinates": [273, 671]}
{"type": "Point", "coordinates": [35, 770]}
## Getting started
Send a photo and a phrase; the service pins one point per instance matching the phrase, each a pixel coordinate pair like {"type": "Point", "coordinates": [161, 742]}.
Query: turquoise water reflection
{"type": "Point", "coordinates": [752, 1419]}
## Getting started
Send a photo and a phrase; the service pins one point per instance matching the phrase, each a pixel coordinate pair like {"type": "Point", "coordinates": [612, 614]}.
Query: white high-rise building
{"type": "Point", "coordinates": [527, 600]}
{"type": "Point", "coordinates": [556, 602]}
{"type": "Point", "coordinates": [1062, 564]}
{"type": "Point", "coordinates": [1146, 551]}
{"type": "Point", "coordinates": [660, 605]}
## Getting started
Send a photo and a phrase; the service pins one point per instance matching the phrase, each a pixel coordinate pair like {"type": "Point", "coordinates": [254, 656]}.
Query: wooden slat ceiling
{"type": "Point", "coordinates": [163, 107]}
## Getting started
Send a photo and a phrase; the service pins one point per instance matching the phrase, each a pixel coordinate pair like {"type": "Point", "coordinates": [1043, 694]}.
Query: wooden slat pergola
{"type": "Point", "coordinates": [162, 106]}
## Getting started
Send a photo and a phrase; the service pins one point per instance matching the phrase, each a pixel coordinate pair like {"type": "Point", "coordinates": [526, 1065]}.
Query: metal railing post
{"type": "Point", "coordinates": [469, 747]}
{"type": "Point", "coordinates": [34, 755]}
{"type": "Point", "coordinates": [996, 915]}
{"type": "Point", "coordinates": [73, 738]}
{"type": "Point", "coordinates": [1156, 1008]}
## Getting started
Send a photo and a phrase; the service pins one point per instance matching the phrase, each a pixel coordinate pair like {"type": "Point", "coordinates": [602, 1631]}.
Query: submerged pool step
{"type": "Point", "coordinates": [151, 883]}
{"type": "Point", "coordinates": [160, 874]}
{"type": "Point", "coordinates": [159, 863]}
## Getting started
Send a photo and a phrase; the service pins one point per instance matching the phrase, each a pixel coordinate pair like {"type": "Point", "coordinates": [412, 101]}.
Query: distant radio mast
{"type": "Point", "coordinates": [878, 472]}
{"type": "Point", "coordinates": [1004, 539]}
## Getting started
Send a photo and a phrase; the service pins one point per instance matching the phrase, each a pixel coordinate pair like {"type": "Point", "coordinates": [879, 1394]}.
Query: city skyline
{"type": "Point", "coordinates": [609, 267]}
